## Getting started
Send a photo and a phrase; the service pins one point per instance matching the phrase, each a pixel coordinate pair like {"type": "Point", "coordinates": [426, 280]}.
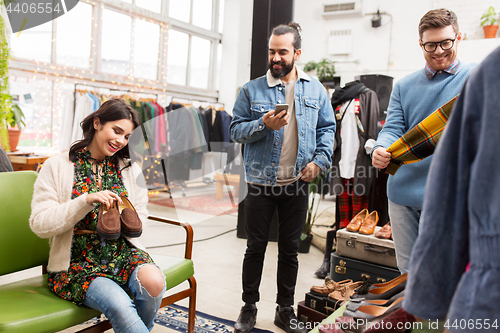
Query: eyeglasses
{"type": "Point", "coordinates": [444, 44]}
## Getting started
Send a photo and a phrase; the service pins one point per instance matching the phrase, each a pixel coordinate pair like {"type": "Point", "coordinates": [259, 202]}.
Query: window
{"type": "Point", "coordinates": [33, 44]}
{"type": "Point", "coordinates": [200, 62]}
{"type": "Point", "coordinates": [177, 55]}
{"type": "Point", "coordinates": [180, 10]}
{"type": "Point", "coordinates": [152, 5]}
{"type": "Point", "coordinates": [202, 13]}
{"type": "Point", "coordinates": [221, 16]}
{"type": "Point", "coordinates": [115, 46]}
{"type": "Point", "coordinates": [73, 44]}
{"type": "Point", "coordinates": [35, 100]}
{"type": "Point", "coordinates": [146, 45]}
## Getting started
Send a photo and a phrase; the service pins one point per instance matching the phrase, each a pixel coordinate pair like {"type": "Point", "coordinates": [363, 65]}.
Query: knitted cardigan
{"type": "Point", "coordinates": [54, 214]}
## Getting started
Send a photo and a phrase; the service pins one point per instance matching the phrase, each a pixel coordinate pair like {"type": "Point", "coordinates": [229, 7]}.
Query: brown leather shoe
{"type": "Point", "coordinates": [385, 231]}
{"type": "Point", "coordinates": [357, 220]}
{"type": "Point", "coordinates": [130, 221]}
{"type": "Point", "coordinates": [345, 291]}
{"type": "Point", "coordinates": [328, 287]}
{"type": "Point", "coordinates": [108, 222]}
{"type": "Point", "coordinates": [368, 226]}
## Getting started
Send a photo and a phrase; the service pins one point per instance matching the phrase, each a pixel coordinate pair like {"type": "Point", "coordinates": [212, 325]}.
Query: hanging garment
{"type": "Point", "coordinates": [365, 117]}
{"type": "Point", "coordinates": [68, 113]}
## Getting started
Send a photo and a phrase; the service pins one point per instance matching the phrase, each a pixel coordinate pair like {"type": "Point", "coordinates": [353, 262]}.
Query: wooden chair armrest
{"type": "Point", "coordinates": [186, 226]}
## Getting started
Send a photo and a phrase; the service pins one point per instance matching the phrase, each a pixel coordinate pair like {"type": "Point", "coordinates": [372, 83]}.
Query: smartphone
{"type": "Point", "coordinates": [279, 108]}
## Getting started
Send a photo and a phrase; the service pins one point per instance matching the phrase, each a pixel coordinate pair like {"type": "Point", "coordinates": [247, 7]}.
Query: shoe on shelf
{"type": "Point", "coordinates": [369, 224]}
{"type": "Point", "coordinates": [345, 291]}
{"type": "Point", "coordinates": [357, 220]}
{"type": "Point", "coordinates": [328, 287]}
{"type": "Point", "coordinates": [356, 303]}
{"type": "Point", "coordinates": [286, 320]}
{"type": "Point", "coordinates": [130, 222]}
{"type": "Point", "coordinates": [246, 319]}
{"type": "Point", "coordinates": [385, 231]}
{"type": "Point", "coordinates": [373, 311]}
{"type": "Point", "coordinates": [394, 318]}
{"type": "Point", "coordinates": [388, 289]}
{"type": "Point", "coordinates": [398, 279]}
{"type": "Point", "coordinates": [324, 270]}
{"type": "Point", "coordinates": [108, 221]}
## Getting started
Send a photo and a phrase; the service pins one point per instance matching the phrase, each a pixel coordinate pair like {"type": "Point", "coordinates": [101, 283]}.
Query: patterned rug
{"type": "Point", "coordinates": [175, 317]}
{"type": "Point", "coordinates": [206, 204]}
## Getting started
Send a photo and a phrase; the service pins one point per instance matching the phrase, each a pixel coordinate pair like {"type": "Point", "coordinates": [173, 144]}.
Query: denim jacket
{"type": "Point", "coordinates": [315, 122]}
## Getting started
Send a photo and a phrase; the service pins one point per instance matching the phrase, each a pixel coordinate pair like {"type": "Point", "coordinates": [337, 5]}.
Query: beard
{"type": "Point", "coordinates": [283, 71]}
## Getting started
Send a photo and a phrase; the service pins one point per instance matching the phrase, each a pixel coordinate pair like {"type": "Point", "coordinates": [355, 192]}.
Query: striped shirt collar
{"type": "Point", "coordinates": [452, 69]}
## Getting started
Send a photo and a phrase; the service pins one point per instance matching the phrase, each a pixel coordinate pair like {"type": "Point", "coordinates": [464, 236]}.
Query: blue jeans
{"type": "Point", "coordinates": [404, 223]}
{"type": "Point", "coordinates": [124, 314]}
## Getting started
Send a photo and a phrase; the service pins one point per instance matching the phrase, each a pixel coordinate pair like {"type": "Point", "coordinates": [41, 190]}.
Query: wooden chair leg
{"type": "Point", "coordinates": [192, 305]}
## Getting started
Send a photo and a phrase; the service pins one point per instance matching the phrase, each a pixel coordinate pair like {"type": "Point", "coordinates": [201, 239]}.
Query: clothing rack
{"type": "Point", "coordinates": [115, 89]}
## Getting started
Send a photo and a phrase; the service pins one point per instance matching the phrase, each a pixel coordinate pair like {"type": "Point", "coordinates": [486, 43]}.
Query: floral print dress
{"type": "Point", "coordinates": [92, 256]}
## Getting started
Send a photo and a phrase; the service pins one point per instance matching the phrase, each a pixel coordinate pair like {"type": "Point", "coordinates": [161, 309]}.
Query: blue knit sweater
{"type": "Point", "coordinates": [413, 98]}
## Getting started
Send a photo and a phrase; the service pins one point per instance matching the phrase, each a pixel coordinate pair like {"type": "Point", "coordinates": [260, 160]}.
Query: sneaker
{"type": "Point", "coordinates": [246, 320]}
{"type": "Point", "coordinates": [286, 320]}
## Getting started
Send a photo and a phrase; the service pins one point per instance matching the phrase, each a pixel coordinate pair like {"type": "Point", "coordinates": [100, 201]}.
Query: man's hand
{"type": "Point", "coordinates": [310, 172]}
{"type": "Point", "coordinates": [381, 158]}
{"type": "Point", "coordinates": [276, 122]}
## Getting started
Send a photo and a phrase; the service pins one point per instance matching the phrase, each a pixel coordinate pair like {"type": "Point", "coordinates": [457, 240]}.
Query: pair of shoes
{"type": "Point", "coordinates": [329, 287]}
{"type": "Point", "coordinates": [390, 321]}
{"type": "Point", "coordinates": [356, 303]}
{"type": "Point", "coordinates": [363, 222]}
{"type": "Point", "coordinates": [373, 311]}
{"type": "Point", "coordinates": [385, 231]}
{"type": "Point", "coordinates": [119, 218]}
{"type": "Point", "coordinates": [344, 291]}
{"type": "Point", "coordinates": [246, 319]}
{"type": "Point", "coordinates": [286, 320]}
{"type": "Point", "coordinates": [324, 270]}
{"type": "Point", "coordinates": [385, 290]}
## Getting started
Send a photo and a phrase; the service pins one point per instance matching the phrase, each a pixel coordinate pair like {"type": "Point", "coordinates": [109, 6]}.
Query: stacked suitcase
{"type": "Point", "coordinates": [357, 257]}
{"type": "Point", "coordinates": [361, 256]}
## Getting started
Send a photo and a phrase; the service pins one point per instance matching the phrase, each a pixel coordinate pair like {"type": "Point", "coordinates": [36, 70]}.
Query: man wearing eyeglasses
{"type": "Point", "coordinates": [413, 98]}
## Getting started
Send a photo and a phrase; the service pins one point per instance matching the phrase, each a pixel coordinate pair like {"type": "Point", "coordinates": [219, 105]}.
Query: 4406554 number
{"type": "Point", "coordinates": [33, 8]}
{"type": "Point", "coordinates": [476, 324]}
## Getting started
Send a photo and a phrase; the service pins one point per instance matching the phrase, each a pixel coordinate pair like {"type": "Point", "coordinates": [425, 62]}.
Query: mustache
{"type": "Point", "coordinates": [282, 63]}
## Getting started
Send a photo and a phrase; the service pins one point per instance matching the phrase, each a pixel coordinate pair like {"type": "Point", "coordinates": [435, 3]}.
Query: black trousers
{"type": "Point", "coordinates": [260, 204]}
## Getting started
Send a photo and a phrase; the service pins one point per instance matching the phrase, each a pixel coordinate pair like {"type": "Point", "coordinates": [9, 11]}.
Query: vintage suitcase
{"type": "Point", "coordinates": [342, 268]}
{"type": "Point", "coordinates": [366, 247]}
{"type": "Point", "coordinates": [323, 304]}
{"type": "Point", "coordinates": [310, 316]}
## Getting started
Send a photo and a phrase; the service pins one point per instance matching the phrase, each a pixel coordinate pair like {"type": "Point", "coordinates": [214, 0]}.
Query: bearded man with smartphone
{"type": "Point", "coordinates": [284, 151]}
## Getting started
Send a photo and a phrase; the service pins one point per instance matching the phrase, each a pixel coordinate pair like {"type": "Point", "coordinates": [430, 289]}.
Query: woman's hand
{"type": "Point", "coordinates": [104, 197]}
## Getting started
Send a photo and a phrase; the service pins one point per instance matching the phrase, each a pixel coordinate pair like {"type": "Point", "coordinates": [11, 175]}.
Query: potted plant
{"type": "Point", "coordinates": [325, 69]}
{"type": "Point", "coordinates": [14, 119]}
{"type": "Point", "coordinates": [488, 23]}
{"type": "Point", "coordinates": [11, 116]}
{"type": "Point", "coordinates": [5, 98]}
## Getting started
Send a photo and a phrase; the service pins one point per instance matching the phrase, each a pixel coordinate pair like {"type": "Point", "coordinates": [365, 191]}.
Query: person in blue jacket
{"type": "Point", "coordinates": [413, 98]}
{"type": "Point", "coordinates": [283, 152]}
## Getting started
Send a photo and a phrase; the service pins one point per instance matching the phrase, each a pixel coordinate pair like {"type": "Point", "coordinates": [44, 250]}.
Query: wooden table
{"type": "Point", "coordinates": [26, 161]}
{"type": "Point", "coordinates": [227, 179]}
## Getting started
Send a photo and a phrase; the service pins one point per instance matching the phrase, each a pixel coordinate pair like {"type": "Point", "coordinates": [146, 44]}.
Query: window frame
{"type": "Point", "coordinates": [94, 74]}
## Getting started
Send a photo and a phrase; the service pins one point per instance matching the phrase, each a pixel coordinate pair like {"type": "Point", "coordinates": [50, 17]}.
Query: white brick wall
{"type": "Point", "coordinates": [375, 50]}
{"type": "Point", "coordinates": [469, 14]}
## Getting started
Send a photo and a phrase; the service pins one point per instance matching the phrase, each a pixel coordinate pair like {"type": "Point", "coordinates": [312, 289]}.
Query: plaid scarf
{"type": "Point", "coordinates": [420, 141]}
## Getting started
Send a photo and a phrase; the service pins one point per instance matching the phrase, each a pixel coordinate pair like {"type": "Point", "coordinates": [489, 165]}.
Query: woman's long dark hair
{"type": "Point", "coordinates": [112, 110]}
